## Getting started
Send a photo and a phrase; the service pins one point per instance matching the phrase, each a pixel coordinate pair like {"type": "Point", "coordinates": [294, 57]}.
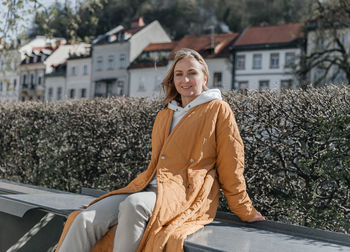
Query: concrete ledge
{"type": "Point", "coordinates": [20, 203]}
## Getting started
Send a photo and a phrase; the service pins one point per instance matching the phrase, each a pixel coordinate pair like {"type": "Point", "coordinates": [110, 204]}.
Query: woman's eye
{"type": "Point", "coordinates": [178, 74]}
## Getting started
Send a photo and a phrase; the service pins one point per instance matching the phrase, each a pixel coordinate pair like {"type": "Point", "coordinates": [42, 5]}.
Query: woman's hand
{"type": "Point", "coordinates": [257, 217]}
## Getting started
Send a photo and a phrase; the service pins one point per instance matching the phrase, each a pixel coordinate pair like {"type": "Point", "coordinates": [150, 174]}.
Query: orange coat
{"type": "Point", "coordinates": [203, 153]}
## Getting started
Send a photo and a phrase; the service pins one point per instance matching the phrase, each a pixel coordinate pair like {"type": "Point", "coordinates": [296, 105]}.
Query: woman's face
{"type": "Point", "coordinates": [189, 79]}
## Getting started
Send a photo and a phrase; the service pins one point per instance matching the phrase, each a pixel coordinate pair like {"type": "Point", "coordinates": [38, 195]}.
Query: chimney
{"type": "Point", "coordinates": [138, 22]}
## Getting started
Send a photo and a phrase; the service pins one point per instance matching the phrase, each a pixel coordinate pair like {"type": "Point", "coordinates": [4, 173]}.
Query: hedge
{"type": "Point", "coordinates": [297, 148]}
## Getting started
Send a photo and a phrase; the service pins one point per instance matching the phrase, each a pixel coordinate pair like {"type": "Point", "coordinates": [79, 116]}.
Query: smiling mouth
{"type": "Point", "coordinates": [186, 87]}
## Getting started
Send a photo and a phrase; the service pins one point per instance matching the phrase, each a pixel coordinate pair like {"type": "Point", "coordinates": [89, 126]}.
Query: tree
{"type": "Point", "coordinates": [327, 58]}
{"type": "Point", "coordinates": [78, 23]}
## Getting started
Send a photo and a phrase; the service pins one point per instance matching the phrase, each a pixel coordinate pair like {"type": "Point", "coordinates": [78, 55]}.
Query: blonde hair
{"type": "Point", "coordinates": [168, 82]}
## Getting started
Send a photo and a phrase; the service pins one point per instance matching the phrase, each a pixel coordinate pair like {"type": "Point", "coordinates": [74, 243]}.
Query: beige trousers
{"type": "Point", "coordinates": [130, 211]}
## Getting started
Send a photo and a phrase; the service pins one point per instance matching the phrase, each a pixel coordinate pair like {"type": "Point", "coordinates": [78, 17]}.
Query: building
{"type": "Point", "coordinates": [32, 72]}
{"type": "Point", "coordinates": [11, 60]}
{"type": "Point", "coordinates": [265, 57]}
{"type": "Point", "coordinates": [55, 83]}
{"type": "Point", "coordinates": [112, 54]}
{"type": "Point", "coordinates": [215, 48]}
{"type": "Point", "coordinates": [149, 69]}
{"type": "Point", "coordinates": [327, 49]}
{"type": "Point", "coordinates": [38, 64]}
{"type": "Point", "coordinates": [78, 76]}
{"type": "Point", "coordinates": [9, 77]}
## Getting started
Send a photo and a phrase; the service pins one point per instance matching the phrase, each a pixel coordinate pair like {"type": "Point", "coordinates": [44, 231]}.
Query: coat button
{"type": "Point", "coordinates": [163, 156]}
{"type": "Point", "coordinates": [191, 160]}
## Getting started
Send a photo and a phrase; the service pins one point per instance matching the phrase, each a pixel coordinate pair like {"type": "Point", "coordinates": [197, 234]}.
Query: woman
{"type": "Point", "coordinates": [196, 149]}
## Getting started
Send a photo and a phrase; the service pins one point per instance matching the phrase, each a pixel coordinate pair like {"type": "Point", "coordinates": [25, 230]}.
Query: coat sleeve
{"type": "Point", "coordinates": [230, 164]}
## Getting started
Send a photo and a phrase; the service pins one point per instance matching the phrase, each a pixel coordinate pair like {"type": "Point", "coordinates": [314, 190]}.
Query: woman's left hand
{"type": "Point", "coordinates": [257, 217]}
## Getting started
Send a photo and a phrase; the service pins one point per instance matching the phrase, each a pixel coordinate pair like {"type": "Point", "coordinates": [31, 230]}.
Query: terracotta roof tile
{"type": "Point", "coordinates": [271, 34]}
{"type": "Point", "coordinates": [167, 46]}
{"type": "Point", "coordinates": [202, 44]}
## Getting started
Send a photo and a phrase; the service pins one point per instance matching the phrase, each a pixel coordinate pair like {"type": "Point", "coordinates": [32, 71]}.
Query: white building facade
{"type": "Point", "coordinates": [112, 56]}
{"type": "Point", "coordinates": [55, 84]}
{"type": "Point", "coordinates": [78, 77]}
{"type": "Point", "coordinates": [266, 69]}
{"type": "Point", "coordinates": [9, 75]}
{"type": "Point", "coordinates": [318, 42]}
{"type": "Point", "coordinates": [267, 57]}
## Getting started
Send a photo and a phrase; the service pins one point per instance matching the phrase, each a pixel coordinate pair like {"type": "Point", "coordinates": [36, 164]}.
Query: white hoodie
{"type": "Point", "coordinates": [180, 112]}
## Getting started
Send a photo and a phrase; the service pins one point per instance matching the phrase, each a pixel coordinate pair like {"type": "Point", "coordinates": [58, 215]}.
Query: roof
{"type": "Point", "coordinates": [273, 34]}
{"type": "Point", "coordinates": [202, 44]}
{"type": "Point", "coordinates": [121, 35]}
{"type": "Point", "coordinates": [152, 62]}
{"type": "Point", "coordinates": [166, 46]}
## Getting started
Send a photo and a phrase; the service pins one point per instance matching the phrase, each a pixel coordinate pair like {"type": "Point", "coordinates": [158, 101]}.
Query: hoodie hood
{"type": "Point", "coordinates": [179, 111]}
{"type": "Point", "coordinates": [206, 96]}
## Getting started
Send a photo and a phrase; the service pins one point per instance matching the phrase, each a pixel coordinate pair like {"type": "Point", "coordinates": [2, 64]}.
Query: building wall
{"type": "Point", "coordinates": [114, 70]}
{"type": "Point", "coordinates": [223, 67]}
{"type": "Point", "coordinates": [32, 90]}
{"type": "Point", "coordinates": [54, 89]}
{"type": "Point", "coordinates": [117, 75]}
{"type": "Point", "coordinates": [146, 82]}
{"type": "Point", "coordinates": [315, 42]}
{"type": "Point", "coordinates": [78, 79]}
{"type": "Point", "coordinates": [61, 54]}
{"type": "Point", "coordinates": [274, 76]}
{"type": "Point", "coordinates": [9, 75]}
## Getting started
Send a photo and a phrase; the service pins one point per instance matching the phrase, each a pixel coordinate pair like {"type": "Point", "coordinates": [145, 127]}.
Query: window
{"type": "Point", "coordinates": [59, 93]}
{"type": "Point", "coordinates": [289, 59]}
{"type": "Point", "coordinates": [72, 93]}
{"type": "Point", "coordinates": [217, 82]}
{"type": "Point", "coordinates": [0, 86]}
{"type": "Point", "coordinates": [14, 84]}
{"type": "Point", "coordinates": [83, 93]}
{"type": "Point", "coordinates": [257, 59]}
{"type": "Point", "coordinates": [243, 85]}
{"type": "Point", "coordinates": [122, 61]}
{"type": "Point", "coordinates": [99, 63]}
{"type": "Point", "coordinates": [50, 94]}
{"type": "Point", "coordinates": [274, 60]}
{"type": "Point", "coordinates": [263, 85]}
{"type": "Point", "coordinates": [73, 72]}
{"type": "Point", "coordinates": [32, 79]}
{"type": "Point", "coordinates": [39, 80]}
{"type": "Point", "coordinates": [110, 62]}
{"type": "Point", "coordinates": [85, 70]}
{"type": "Point", "coordinates": [240, 62]}
{"type": "Point", "coordinates": [286, 84]}
{"type": "Point", "coordinates": [24, 79]}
